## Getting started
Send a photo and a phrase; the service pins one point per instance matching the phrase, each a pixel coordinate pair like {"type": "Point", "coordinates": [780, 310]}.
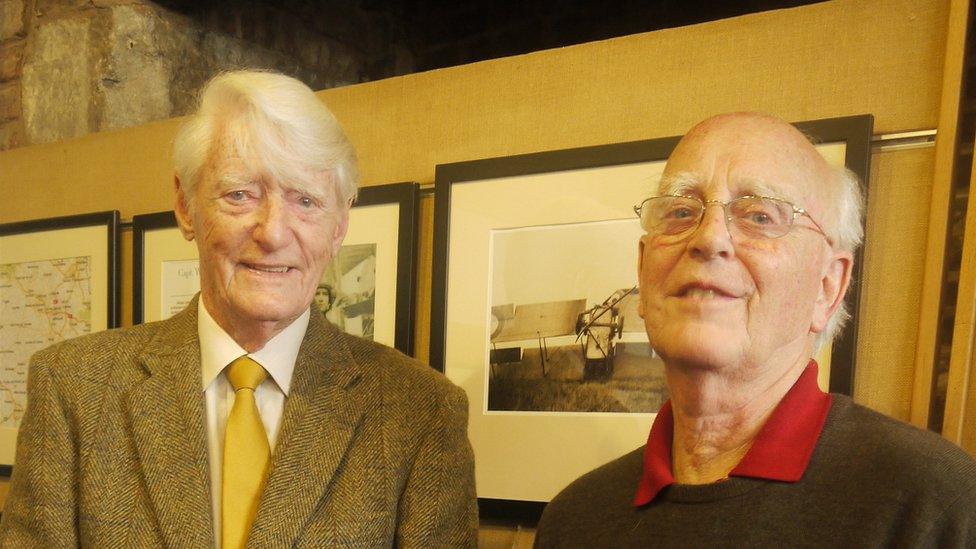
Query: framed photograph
{"type": "Point", "coordinates": [58, 280]}
{"type": "Point", "coordinates": [533, 308]}
{"type": "Point", "coordinates": [368, 290]}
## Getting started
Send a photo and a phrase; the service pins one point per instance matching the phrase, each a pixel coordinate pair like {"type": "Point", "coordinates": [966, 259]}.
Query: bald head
{"type": "Point", "coordinates": [787, 147]}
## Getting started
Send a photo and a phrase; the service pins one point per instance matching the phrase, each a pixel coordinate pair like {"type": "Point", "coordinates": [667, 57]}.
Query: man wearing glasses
{"type": "Point", "coordinates": [743, 267]}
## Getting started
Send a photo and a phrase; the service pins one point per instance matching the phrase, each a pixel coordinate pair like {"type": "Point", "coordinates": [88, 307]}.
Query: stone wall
{"type": "Point", "coordinates": [12, 32]}
{"type": "Point", "coordinates": [70, 67]}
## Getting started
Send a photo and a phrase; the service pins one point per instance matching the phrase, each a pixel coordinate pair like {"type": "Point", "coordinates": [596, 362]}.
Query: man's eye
{"type": "Point", "coordinates": [759, 218]}
{"type": "Point", "coordinates": [237, 196]}
{"type": "Point", "coordinates": [306, 202]}
{"type": "Point", "coordinates": [679, 213]}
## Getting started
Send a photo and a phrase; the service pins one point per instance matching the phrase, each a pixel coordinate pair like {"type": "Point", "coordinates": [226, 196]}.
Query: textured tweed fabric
{"type": "Point", "coordinates": [112, 451]}
{"type": "Point", "coordinates": [872, 482]}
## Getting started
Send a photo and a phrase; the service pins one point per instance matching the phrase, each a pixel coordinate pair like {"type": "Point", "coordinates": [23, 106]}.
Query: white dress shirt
{"type": "Point", "coordinates": [217, 351]}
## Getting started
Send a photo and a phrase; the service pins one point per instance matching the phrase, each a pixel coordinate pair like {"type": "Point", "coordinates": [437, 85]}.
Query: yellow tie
{"type": "Point", "coordinates": [247, 454]}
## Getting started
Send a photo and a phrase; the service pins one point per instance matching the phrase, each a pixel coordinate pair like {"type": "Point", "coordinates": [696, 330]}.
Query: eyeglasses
{"type": "Point", "coordinates": [750, 216]}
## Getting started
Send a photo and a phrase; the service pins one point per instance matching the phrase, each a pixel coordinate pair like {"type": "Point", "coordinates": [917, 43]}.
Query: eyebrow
{"type": "Point", "coordinates": [689, 184]}
{"type": "Point", "coordinates": [301, 188]}
{"type": "Point", "coordinates": [758, 187]}
{"type": "Point", "coordinates": [679, 184]}
{"type": "Point", "coordinates": [298, 183]}
{"type": "Point", "coordinates": [227, 180]}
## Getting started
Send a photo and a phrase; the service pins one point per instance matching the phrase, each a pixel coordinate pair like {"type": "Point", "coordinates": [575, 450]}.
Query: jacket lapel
{"type": "Point", "coordinates": [322, 413]}
{"type": "Point", "coordinates": [167, 415]}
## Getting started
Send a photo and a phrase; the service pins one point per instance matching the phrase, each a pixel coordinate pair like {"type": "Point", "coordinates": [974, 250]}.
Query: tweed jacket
{"type": "Point", "coordinates": [112, 452]}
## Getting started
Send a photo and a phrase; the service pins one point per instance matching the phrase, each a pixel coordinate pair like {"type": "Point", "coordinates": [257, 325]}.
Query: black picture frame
{"type": "Point", "coordinates": [37, 228]}
{"type": "Point", "coordinates": [854, 131]}
{"type": "Point", "coordinates": [141, 224]}
{"type": "Point", "coordinates": [406, 196]}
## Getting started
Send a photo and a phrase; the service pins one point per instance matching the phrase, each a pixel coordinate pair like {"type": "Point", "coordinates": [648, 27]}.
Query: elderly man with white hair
{"type": "Point", "coordinates": [745, 260]}
{"type": "Point", "coordinates": [247, 419]}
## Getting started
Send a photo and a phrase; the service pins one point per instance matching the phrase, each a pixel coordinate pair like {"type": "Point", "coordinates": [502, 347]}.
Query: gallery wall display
{"type": "Point", "coordinates": [58, 280]}
{"type": "Point", "coordinates": [367, 290]}
{"type": "Point", "coordinates": [534, 308]}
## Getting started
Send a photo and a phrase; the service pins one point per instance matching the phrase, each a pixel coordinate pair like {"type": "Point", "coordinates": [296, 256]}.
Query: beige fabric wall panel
{"type": "Point", "coordinates": [425, 257]}
{"type": "Point", "coordinates": [502, 536]}
{"type": "Point", "coordinates": [819, 61]}
{"type": "Point", "coordinates": [127, 170]}
{"type": "Point", "coordinates": [125, 282]}
{"type": "Point", "coordinates": [969, 421]}
{"type": "Point", "coordinates": [894, 260]}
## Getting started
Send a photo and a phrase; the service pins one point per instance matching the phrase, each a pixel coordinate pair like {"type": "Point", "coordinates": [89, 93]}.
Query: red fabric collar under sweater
{"type": "Point", "coordinates": [781, 451]}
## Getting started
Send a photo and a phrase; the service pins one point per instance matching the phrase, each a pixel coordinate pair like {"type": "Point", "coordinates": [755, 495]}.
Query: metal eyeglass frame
{"type": "Point", "coordinates": [797, 211]}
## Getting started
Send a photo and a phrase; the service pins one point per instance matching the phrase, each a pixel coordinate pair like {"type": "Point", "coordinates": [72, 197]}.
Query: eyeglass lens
{"type": "Point", "coordinates": [753, 216]}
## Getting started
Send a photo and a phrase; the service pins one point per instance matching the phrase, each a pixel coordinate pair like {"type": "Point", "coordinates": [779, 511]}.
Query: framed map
{"type": "Point", "coordinates": [58, 280]}
{"type": "Point", "coordinates": [367, 290]}
{"type": "Point", "coordinates": [534, 309]}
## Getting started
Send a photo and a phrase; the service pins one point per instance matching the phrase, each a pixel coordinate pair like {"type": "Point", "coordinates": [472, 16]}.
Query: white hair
{"type": "Point", "coordinates": [272, 121]}
{"type": "Point", "coordinates": [849, 211]}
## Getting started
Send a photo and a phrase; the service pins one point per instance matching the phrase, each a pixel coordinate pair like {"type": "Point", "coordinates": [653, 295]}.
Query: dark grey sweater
{"type": "Point", "coordinates": [871, 482]}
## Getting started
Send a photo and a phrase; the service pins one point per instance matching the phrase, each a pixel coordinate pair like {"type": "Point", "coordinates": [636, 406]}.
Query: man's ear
{"type": "Point", "coordinates": [640, 279]}
{"type": "Point", "coordinates": [342, 225]}
{"type": "Point", "coordinates": [183, 217]}
{"type": "Point", "coordinates": [834, 281]}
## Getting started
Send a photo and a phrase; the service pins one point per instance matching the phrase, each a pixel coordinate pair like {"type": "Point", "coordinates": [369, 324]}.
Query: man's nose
{"type": "Point", "coordinates": [272, 227]}
{"type": "Point", "coordinates": [711, 238]}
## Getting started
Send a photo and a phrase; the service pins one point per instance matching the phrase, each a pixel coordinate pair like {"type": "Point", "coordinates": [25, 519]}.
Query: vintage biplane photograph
{"type": "Point", "coordinates": [564, 333]}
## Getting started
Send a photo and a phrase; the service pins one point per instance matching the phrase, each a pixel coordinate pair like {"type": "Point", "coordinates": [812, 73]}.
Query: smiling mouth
{"type": "Point", "coordinates": [274, 269]}
{"type": "Point", "coordinates": [693, 291]}
{"type": "Point", "coordinates": [701, 293]}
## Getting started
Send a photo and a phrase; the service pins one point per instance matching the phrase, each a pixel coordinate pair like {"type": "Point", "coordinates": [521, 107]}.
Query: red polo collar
{"type": "Point", "coordinates": [781, 451]}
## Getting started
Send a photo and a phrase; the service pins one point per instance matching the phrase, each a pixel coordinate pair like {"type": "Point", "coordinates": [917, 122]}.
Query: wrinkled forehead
{"type": "Point", "coordinates": [731, 156]}
{"type": "Point", "coordinates": [244, 156]}
{"type": "Point", "coordinates": [688, 183]}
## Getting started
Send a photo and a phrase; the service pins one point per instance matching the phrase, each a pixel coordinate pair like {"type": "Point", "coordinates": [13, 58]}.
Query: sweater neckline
{"type": "Point", "coordinates": [700, 493]}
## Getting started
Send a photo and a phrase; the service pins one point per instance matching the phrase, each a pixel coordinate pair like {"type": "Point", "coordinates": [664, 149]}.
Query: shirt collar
{"type": "Point", "coordinates": [218, 349]}
{"type": "Point", "coordinates": [781, 451]}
